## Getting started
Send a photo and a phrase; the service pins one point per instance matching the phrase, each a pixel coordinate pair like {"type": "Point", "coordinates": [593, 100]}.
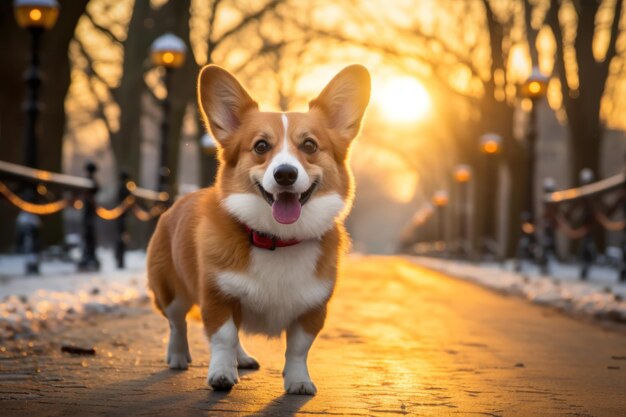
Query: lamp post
{"type": "Point", "coordinates": [167, 51]}
{"type": "Point", "coordinates": [209, 165]}
{"type": "Point", "coordinates": [490, 146]}
{"type": "Point", "coordinates": [462, 176]}
{"type": "Point", "coordinates": [533, 89]}
{"type": "Point", "coordinates": [440, 201]}
{"type": "Point", "coordinates": [36, 16]}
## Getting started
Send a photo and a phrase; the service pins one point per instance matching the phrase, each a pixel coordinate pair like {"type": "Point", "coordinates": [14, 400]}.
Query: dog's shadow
{"type": "Point", "coordinates": [286, 405]}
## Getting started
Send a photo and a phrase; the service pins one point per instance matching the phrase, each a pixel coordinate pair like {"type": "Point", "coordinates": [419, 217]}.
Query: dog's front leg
{"type": "Point", "coordinates": [223, 367]}
{"type": "Point", "coordinates": [300, 337]}
{"type": "Point", "coordinates": [217, 317]}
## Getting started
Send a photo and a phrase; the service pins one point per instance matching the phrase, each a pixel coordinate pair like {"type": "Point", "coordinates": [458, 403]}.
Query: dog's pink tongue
{"type": "Point", "coordinates": [286, 209]}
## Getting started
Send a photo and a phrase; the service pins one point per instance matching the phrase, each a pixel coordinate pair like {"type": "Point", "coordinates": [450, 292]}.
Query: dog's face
{"type": "Point", "coordinates": [285, 173]}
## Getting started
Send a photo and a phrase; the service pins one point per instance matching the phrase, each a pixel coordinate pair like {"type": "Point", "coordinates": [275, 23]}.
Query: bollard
{"type": "Point", "coordinates": [622, 272]}
{"type": "Point", "coordinates": [120, 244]}
{"type": "Point", "coordinates": [28, 236]}
{"type": "Point", "coordinates": [440, 201]}
{"type": "Point", "coordinates": [462, 176]}
{"type": "Point", "coordinates": [89, 261]}
{"type": "Point", "coordinates": [587, 248]}
{"type": "Point", "coordinates": [525, 242]}
{"type": "Point", "coordinates": [548, 241]}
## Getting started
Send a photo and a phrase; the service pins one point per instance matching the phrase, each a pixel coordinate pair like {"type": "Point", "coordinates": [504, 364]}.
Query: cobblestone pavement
{"type": "Point", "coordinates": [400, 340]}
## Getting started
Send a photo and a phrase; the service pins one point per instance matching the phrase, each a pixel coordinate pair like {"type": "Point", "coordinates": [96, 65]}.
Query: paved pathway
{"type": "Point", "coordinates": [400, 340]}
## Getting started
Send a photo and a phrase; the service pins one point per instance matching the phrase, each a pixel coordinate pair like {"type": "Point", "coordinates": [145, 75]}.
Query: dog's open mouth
{"type": "Point", "coordinates": [286, 206]}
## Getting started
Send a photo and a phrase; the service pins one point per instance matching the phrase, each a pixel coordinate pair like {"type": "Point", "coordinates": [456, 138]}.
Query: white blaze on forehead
{"type": "Point", "coordinates": [285, 157]}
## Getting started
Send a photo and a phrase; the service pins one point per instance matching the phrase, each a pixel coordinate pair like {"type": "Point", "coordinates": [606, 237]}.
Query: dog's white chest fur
{"type": "Point", "coordinates": [279, 286]}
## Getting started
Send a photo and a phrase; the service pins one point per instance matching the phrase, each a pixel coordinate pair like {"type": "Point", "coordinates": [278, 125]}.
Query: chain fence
{"type": "Point", "coordinates": [32, 195]}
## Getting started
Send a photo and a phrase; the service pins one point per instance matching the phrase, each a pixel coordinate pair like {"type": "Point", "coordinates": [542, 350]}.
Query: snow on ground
{"type": "Point", "coordinates": [59, 294]}
{"type": "Point", "coordinates": [602, 295]}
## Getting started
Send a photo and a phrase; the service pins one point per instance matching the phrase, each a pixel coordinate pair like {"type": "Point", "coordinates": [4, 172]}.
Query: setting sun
{"type": "Point", "coordinates": [403, 99]}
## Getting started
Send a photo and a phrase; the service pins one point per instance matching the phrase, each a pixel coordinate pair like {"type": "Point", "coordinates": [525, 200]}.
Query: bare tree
{"type": "Point", "coordinates": [583, 75]}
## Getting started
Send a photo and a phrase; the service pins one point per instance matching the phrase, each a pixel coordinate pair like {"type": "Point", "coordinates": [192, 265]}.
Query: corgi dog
{"type": "Point", "coordinates": [259, 250]}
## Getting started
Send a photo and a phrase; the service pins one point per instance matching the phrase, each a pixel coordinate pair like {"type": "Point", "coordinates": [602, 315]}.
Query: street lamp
{"type": "Point", "coordinates": [440, 201]}
{"type": "Point", "coordinates": [490, 143]}
{"type": "Point", "coordinates": [167, 51]}
{"type": "Point", "coordinates": [208, 144]}
{"type": "Point", "coordinates": [209, 160]}
{"type": "Point", "coordinates": [490, 146]}
{"type": "Point", "coordinates": [36, 16]}
{"type": "Point", "coordinates": [533, 89]}
{"type": "Point", "coordinates": [36, 13]}
{"type": "Point", "coordinates": [462, 176]}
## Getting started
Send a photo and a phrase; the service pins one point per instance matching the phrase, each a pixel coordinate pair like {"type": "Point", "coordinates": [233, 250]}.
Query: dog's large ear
{"type": "Point", "coordinates": [223, 101]}
{"type": "Point", "coordinates": [344, 100]}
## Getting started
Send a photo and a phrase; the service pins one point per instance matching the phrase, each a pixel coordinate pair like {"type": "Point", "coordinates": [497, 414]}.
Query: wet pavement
{"type": "Point", "coordinates": [400, 340]}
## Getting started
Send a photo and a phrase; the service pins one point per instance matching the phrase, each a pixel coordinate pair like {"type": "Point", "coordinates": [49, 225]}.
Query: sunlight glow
{"type": "Point", "coordinates": [403, 99]}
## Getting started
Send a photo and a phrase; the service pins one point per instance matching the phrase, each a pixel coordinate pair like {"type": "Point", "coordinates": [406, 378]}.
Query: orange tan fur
{"type": "Point", "coordinates": [199, 239]}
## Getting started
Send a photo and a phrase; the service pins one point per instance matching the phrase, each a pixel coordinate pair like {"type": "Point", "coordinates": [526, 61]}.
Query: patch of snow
{"type": "Point", "coordinates": [59, 294]}
{"type": "Point", "coordinates": [602, 295]}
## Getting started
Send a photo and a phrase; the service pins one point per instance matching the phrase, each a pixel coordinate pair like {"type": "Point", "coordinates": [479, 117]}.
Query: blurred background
{"type": "Point", "coordinates": [475, 104]}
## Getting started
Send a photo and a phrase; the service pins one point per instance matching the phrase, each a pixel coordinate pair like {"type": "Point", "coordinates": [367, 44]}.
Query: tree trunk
{"type": "Point", "coordinates": [145, 26]}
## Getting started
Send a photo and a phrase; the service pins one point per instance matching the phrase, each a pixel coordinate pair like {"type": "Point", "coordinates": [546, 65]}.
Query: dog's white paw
{"type": "Point", "coordinates": [247, 362]}
{"type": "Point", "coordinates": [178, 360]}
{"type": "Point", "coordinates": [300, 388]}
{"type": "Point", "coordinates": [223, 379]}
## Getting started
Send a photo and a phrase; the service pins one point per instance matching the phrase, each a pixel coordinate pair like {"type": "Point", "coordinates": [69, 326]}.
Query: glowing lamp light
{"type": "Point", "coordinates": [36, 13]}
{"type": "Point", "coordinates": [535, 86]}
{"type": "Point", "coordinates": [528, 228]}
{"type": "Point", "coordinates": [440, 198]}
{"type": "Point", "coordinates": [168, 51]}
{"type": "Point", "coordinates": [462, 173]}
{"type": "Point", "coordinates": [490, 143]}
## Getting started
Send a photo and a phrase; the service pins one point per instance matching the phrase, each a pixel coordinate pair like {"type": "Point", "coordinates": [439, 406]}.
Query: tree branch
{"type": "Point", "coordinates": [248, 19]}
{"type": "Point", "coordinates": [552, 18]}
{"type": "Point", "coordinates": [100, 113]}
{"type": "Point", "coordinates": [210, 44]}
{"type": "Point", "coordinates": [617, 17]}
{"type": "Point", "coordinates": [103, 29]}
{"type": "Point", "coordinates": [90, 65]}
{"type": "Point", "coordinates": [531, 33]}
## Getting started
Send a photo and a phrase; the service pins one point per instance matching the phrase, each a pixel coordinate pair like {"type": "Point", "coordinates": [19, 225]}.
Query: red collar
{"type": "Point", "coordinates": [267, 241]}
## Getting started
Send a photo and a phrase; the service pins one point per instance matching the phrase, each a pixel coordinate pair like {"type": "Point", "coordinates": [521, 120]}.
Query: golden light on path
{"type": "Point", "coordinates": [403, 99]}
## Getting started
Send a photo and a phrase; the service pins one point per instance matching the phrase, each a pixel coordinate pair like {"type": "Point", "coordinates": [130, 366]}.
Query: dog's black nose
{"type": "Point", "coordinates": [286, 175]}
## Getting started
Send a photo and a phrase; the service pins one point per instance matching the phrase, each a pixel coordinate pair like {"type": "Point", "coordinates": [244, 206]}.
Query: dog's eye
{"type": "Point", "coordinates": [261, 147]}
{"type": "Point", "coordinates": [309, 146]}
